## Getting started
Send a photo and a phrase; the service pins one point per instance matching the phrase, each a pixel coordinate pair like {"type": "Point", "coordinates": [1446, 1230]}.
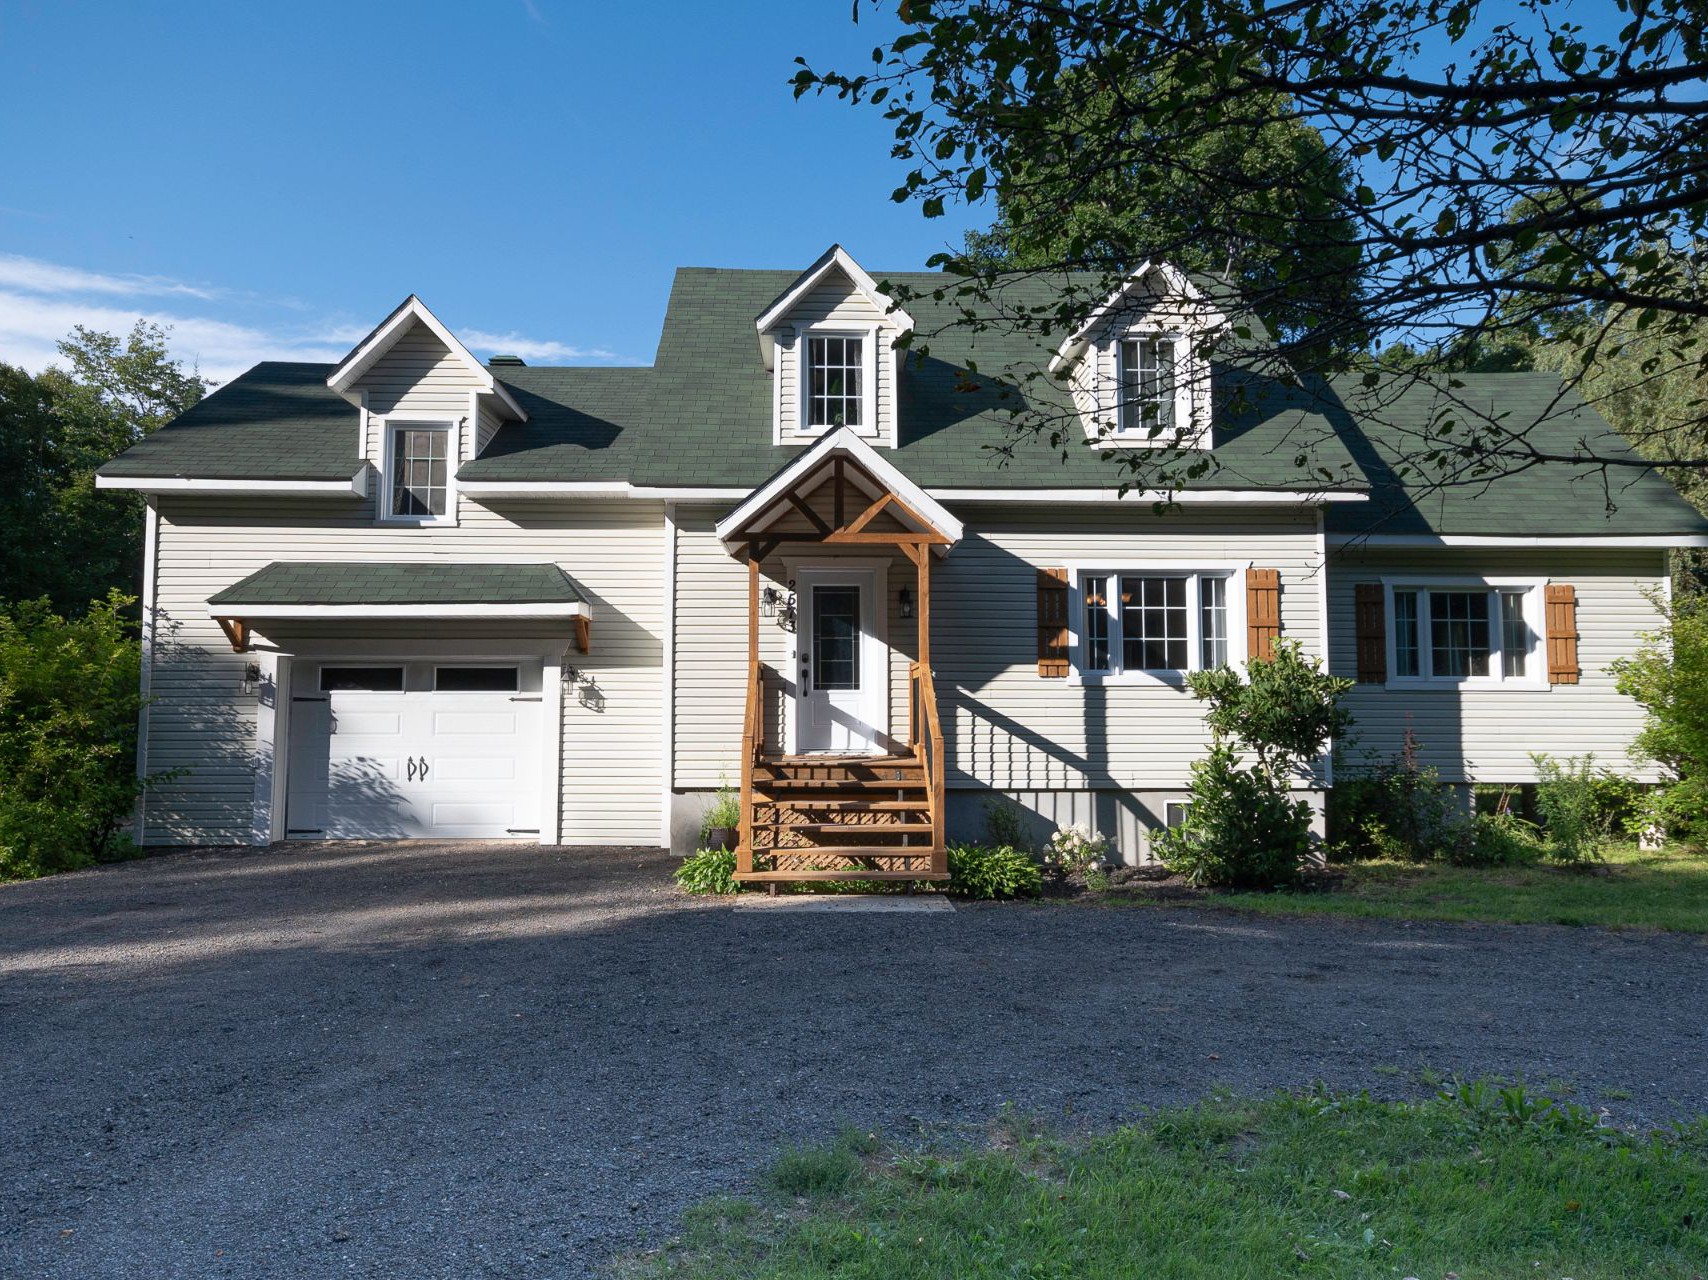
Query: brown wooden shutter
{"type": "Point", "coordinates": [1262, 612]}
{"type": "Point", "coordinates": [1370, 610]}
{"type": "Point", "coordinates": [1562, 600]}
{"type": "Point", "coordinates": [1052, 623]}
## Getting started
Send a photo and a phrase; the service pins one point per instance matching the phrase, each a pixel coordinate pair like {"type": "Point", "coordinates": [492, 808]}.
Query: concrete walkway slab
{"type": "Point", "coordinates": [846, 903]}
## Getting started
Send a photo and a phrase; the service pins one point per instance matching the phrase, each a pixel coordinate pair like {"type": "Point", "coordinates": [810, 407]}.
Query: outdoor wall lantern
{"type": "Point", "coordinates": [769, 599]}
{"type": "Point", "coordinates": [251, 677]}
{"type": "Point", "coordinates": [906, 602]}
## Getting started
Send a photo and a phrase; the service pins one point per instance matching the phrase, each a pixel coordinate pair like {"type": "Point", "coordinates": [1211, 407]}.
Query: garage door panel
{"type": "Point", "coordinates": [474, 723]}
{"type": "Point", "coordinates": [475, 768]}
{"type": "Point", "coordinates": [367, 724]}
{"type": "Point", "coordinates": [470, 815]}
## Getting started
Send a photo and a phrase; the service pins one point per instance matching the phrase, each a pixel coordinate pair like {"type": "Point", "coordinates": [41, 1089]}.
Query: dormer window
{"type": "Point", "coordinates": [418, 472]}
{"type": "Point", "coordinates": [1148, 387]}
{"type": "Point", "coordinates": [835, 382]}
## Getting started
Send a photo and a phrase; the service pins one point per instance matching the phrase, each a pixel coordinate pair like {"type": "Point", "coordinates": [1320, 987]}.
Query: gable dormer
{"type": "Point", "coordinates": [1139, 366]}
{"type": "Point", "coordinates": [829, 342]}
{"type": "Point", "coordinates": [426, 405]}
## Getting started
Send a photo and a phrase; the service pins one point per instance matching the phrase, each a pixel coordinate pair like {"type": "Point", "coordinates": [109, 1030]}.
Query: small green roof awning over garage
{"type": "Point", "coordinates": [328, 590]}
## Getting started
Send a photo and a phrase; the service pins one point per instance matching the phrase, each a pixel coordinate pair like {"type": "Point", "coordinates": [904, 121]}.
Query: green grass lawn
{"type": "Point", "coordinates": [1480, 1183]}
{"type": "Point", "coordinates": [1630, 889]}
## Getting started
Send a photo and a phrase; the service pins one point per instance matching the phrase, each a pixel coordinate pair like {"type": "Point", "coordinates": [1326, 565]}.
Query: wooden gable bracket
{"type": "Point", "coordinates": [583, 634]}
{"type": "Point", "coordinates": [813, 518]}
{"type": "Point", "coordinates": [236, 631]}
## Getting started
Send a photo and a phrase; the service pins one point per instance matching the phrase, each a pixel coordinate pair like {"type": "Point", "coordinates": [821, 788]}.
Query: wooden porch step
{"type": "Point", "coordinates": [846, 850]}
{"type": "Point", "coordinates": [873, 828]}
{"type": "Point", "coordinates": [767, 786]}
{"type": "Point", "coordinates": [841, 804]}
{"type": "Point", "coordinates": [850, 874]}
{"type": "Point", "coordinates": [819, 761]}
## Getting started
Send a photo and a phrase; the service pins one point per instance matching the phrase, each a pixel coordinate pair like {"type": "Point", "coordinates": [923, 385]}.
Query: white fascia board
{"type": "Point", "coordinates": [354, 487]}
{"type": "Point", "coordinates": [844, 442]}
{"type": "Point", "coordinates": [324, 612]}
{"type": "Point", "coordinates": [1589, 541]}
{"type": "Point", "coordinates": [1175, 282]}
{"type": "Point", "coordinates": [833, 258]}
{"type": "Point", "coordinates": [593, 489]}
{"type": "Point", "coordinates": [411, 311]}
{"type": "Point", "coordinates": [1184, 497]}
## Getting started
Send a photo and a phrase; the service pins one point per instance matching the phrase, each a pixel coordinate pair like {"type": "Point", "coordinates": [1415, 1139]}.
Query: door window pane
{"type": "Point", "coordinates": [361, 679]}
{"type": "Point", "coordinates": [1213, 625]}
{"type": "Point", "coordinates": [1153, 624]}
{"type": "Point", "coordinates": [836, 637]}
{"type": "Point", "coordinates": [475, 679]}
{"type": "Point", "coordinates": [1514, 635]}
{"type": "Point", "coordinates": [1096, 624]}
{"type": "Point", "coordinates": [1459, 633]}
{"type": "Point", "coordinates": [1405, 633]}
{"type": "Point", "coordinates": [420, 467]}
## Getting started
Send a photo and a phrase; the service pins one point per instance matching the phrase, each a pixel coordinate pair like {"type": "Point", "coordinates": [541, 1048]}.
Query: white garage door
{"type": "Point", "coordinates": [414, 750]}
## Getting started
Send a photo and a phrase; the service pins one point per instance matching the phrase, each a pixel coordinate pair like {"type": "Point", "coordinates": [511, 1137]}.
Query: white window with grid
{"type": "Point", "coordinates": [418, 472]}
{"type": "Point", "coordinates": [836, 375]}
{"type": "Point", "coordinates": [1148, 388]}
{"type": "Point", "coordinates": [1465, 631]}
{"type": "Point", "coordinates": [1148, 624]}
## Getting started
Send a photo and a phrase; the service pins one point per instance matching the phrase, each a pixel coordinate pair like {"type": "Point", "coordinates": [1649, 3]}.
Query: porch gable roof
{"type": "Point", "coordinates": [773, 499]}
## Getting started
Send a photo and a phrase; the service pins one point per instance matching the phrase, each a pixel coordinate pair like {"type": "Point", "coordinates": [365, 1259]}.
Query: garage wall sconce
{"type": "Point", "coordinates": [251, 677]}
{"type": "Point", "coordinates": [904, 603]}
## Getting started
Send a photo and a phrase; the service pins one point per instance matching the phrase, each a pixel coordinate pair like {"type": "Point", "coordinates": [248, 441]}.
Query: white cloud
{"type": "Point", "coordinates": [515, 344]}
{"type": "Point", "coordinates": [36, 276]}
{"type": "Point", "coordinates": [31, 328]}
{"type": "Point", "coordinates": [41, 302]}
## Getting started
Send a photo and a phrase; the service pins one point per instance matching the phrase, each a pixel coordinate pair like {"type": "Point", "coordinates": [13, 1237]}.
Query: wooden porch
{"type": "Point", "coordinates": [825, 816]}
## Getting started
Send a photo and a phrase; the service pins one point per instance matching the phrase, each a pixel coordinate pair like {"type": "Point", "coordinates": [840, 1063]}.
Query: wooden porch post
{"type": "Point", "coordinates": [749, 740]}
{"type": "Point", "coordinates": [933, 722]}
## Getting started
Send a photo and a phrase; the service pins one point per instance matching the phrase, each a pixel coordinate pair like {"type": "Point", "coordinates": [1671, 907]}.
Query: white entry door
{"type": "Point", "coordinates": [841, 664]}
{"type": "Point", "coordinates": [414, 750]}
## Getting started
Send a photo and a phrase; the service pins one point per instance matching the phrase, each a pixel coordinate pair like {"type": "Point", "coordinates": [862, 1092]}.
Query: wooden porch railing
{"type": "Point", "coordinates": [752, 751]}
{"type": "Point", "coordinates": [922, 714]}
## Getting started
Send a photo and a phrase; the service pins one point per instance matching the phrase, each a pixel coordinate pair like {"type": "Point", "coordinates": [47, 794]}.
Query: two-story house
{"type": "Point", "coordinates": [415, 595]}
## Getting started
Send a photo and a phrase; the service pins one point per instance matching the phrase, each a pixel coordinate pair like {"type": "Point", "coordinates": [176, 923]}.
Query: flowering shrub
{"type": "Point", "coordinates": [1076, 849]}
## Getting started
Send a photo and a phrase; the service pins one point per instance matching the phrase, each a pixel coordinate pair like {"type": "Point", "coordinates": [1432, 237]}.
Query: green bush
{"type": "Point", "coordinates": [725, 811]}
{"type": "Point", "coordinates": [1398, 809]}
{"type": "Point", "coordinates": [1669, 676]}
{"type": "Point", "coordinates": [1573, 822]}
{"type": "Point", "coordinates": [1500, 839]}
{"type": "Point", "coordinates": [708, 871]}
{"type": "Point", "coordinates": [1005, 825]}
{"type": "Point", "coordinates": [69, 700]}
{"type": "Point", "coordinates": [993, 871]}
{"type": "Point", "coordinates": [1241, 830]}
{"type": "Point", "coordinates": [1244, 829]}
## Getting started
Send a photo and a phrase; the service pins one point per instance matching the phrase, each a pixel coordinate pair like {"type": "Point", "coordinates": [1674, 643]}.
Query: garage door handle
{"type": "Point", "coordinates": [424, 768]}
{"type": "Point", "coordinates": [412, 768]}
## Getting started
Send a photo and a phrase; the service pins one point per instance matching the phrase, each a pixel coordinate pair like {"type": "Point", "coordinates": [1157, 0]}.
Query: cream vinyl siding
{"type": "Point", "coordinates": [1487, 734]}
{"type": "Point", "coordinates": [1005, 726]}
{"type": "Point", "coordinates": [836, 302]}
{"type": "Point", "coordinates": [611, 786]}
{"type": "Point", "coordinates": [417, 377]}
{"type": "Point", "coordinates": [1012, 730]}
{"type": "Point", "coordinates": [486, 426]}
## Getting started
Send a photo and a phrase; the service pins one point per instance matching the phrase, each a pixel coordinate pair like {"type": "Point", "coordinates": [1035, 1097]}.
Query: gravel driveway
{"type": "Point", "coordinates": [439, 1060]}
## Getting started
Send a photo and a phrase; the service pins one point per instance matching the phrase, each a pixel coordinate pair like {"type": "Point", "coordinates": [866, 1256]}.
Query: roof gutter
{"type": "Point", "coordinates": [355, 487]}
{"type": "Point", "coordinates": [543, 489]}
{"type": "Point", "coordinates": [1586, 541]}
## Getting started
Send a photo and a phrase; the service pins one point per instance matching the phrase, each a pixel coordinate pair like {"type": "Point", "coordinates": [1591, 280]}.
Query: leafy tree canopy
{"type": "Point", "coordinates": [69, 541]}
{"type": "Point", "coordinates": [1496, 166]}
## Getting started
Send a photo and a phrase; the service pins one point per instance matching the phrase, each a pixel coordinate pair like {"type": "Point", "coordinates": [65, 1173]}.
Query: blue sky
{"type": "Point", "coordinates": [271, 179]}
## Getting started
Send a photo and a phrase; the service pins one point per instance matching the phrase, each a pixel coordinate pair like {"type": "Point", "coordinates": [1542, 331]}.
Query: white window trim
{"type": "Point", "coordinates": [1535, 606]}
{"type": "Point", "coordinates": [1115, 569]}
{"type": "Point", "coordinates": [389, 427]}
{"type": "Point", "coordinates": [868, 334]}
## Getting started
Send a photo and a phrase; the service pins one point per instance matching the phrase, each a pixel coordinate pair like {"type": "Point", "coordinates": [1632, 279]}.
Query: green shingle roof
{"type": "Point", "coordinates": [279, 421]}
{"type": "Point", "coordinates": [700, 416]}
{"type": "Point", "coordinates": [297, 583]}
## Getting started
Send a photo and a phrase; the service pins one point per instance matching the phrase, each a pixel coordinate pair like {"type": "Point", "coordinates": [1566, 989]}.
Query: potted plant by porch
{"type": "Point", "coordinates": [720, 828]}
